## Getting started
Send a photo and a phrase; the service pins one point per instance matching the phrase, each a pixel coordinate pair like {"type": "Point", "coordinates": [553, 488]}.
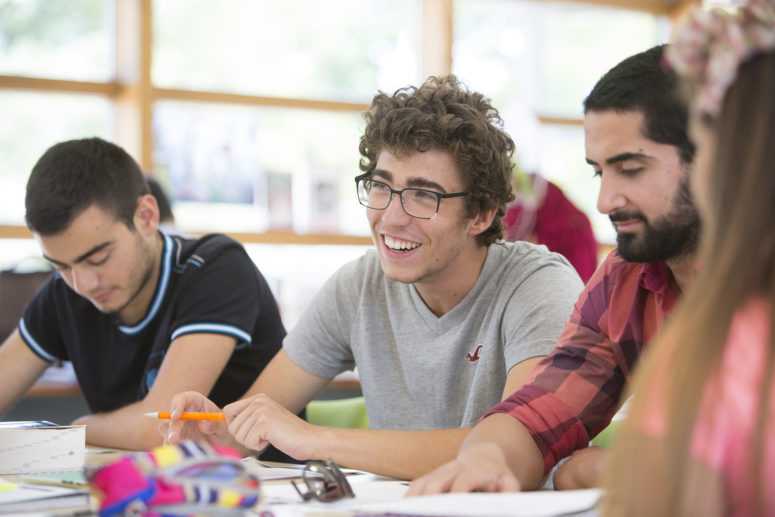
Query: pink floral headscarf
{"type": "Point", "coordinates": [710, 45]}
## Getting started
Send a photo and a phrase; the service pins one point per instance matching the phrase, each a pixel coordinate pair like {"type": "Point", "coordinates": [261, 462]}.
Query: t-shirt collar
{"type": "Point", "coordinates": [161, 288]}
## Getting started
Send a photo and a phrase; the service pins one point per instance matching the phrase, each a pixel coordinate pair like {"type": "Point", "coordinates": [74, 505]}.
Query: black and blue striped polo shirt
{"type": "Point", "coordinates": [206, 286]}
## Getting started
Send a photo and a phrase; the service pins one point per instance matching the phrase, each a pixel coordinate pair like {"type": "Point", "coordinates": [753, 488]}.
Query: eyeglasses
{"type": "Point", "coordinates": [324, 481]}
{"type": "Point", "coordinates": [417, 202]}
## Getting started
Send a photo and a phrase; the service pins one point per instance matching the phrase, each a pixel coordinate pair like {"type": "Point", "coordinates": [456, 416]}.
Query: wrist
{"type": "Point", "coordinates": [319, 440]}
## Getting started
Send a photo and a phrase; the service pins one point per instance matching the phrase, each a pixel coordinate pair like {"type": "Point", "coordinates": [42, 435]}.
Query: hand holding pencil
{"type": "Point", "coordinates": [192, 416]}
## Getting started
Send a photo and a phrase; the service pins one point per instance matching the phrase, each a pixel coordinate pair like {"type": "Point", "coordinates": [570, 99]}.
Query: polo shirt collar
{"type": "Point", "coordinates": [161, 287]}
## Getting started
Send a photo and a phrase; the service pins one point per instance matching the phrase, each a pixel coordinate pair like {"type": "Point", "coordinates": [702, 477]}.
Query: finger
{"type": "Point", "coordinates": [246, 426]}
{"type": "Point", "coordinates": [438, 481]}
{"type": "Point", "coordinates": [186, 401]}
{"type": "Point", "coordinates": [178, 429]}
{"type": "Point", "coordinates": [416, 486]}
{"type": "Point", "coordinates": [253, 434]}
{"type": "Point", "coordinates": [507, 482]}
{"type": "Point", "coordinates": [237, 407]}
{"type": "Point", "coordinates": [236, 418]}
{"type": "Point", "coordinates": [469, 481]}
{"type": "Point", "coordinates": [164, 430]}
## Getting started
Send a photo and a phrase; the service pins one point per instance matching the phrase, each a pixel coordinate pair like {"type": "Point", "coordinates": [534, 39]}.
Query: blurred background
{"type": "Point", "coordinates": [248, 112]}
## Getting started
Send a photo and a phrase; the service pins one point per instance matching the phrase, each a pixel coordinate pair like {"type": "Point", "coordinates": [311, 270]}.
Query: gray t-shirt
{"type": "Point", "coordinates": [421, 371]}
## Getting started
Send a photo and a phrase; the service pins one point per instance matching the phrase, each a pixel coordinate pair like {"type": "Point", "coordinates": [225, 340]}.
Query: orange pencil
{"type": "Point", "coordinates": [187, 415]}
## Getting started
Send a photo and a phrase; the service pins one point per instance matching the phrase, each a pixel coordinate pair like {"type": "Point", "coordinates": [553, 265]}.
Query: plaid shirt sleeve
{"type": "Point", "coordinates": [574, 392]}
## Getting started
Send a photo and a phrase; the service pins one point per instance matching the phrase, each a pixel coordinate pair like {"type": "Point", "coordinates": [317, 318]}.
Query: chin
{"type": "Point", "coordinates": [398, 275]}
{"type": "Point", "coordinates": [107, 308]}
{"type": "Point", "coordinates": [104, 309]}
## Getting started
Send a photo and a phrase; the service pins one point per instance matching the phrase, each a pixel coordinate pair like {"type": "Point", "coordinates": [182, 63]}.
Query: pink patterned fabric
{"type": "Point", "coordinates": [724, 432]}
{"type": "Point", "coordinates": [555, 222]}
{"type": "Point", "coordinates": [709, 46]}
{"type": "Point", "coordinates": [183, 479]}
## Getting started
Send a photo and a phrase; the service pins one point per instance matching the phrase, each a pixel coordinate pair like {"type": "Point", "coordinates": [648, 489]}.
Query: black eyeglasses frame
{"type": "Point", "coordinates": [399, 192]}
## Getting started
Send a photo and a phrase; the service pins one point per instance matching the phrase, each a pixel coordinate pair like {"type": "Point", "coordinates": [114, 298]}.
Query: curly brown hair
{"type": "Point", "coordinates": [443, 114]}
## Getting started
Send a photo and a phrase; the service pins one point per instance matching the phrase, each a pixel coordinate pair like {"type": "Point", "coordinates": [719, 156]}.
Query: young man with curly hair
{"type": "Point", "coordinates": [442, 319]}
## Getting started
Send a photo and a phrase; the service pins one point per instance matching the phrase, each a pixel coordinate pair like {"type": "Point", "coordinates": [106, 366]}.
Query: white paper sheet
{"type": "Point", "coordinates": [29, 449]}
{"type": "Point", "coordinates": [544, 503]}
{"type": "Point", "coordinates": [366, 492]}
{"type": "Point", "coordinates": [26, 498]}
{"type": "Point", "coordinates": [273, 471]}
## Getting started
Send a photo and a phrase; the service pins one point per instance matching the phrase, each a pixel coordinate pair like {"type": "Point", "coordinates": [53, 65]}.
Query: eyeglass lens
{"type": "Point", "coordinates": [418, 203]}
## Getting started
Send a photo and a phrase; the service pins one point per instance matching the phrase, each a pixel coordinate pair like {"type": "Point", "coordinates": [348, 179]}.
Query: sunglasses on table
{"type": "Point", "coordinates": [324, 482]}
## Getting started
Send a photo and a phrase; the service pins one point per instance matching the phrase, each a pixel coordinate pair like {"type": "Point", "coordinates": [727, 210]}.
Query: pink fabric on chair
{"type": "Point", "coordinates": [556, 223]}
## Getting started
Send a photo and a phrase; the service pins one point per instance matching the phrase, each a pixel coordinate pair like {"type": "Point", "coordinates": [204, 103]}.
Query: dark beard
{"type": "Point", "coordinates": [671, 236]}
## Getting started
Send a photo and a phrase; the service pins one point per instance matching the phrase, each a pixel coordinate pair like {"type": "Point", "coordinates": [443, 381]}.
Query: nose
{"type": "Point", "coordinates": [394, 213]}
{"type": "Point", "coordinates": [84, 279]}
{"type": "Point", "coordinates": [610, 197]}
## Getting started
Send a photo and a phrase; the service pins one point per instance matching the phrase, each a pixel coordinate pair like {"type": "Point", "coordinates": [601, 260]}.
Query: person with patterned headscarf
{"type": "Point", "coordinates": [700, 439]}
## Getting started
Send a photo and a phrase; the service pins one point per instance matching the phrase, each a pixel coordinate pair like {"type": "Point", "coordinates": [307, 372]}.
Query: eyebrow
{"type": "Point", "coordinates": [81, 258]}
{"type": "Point", "coordinates": [415, 182]}
{"type": "Point", "coordinates": [623, 157]}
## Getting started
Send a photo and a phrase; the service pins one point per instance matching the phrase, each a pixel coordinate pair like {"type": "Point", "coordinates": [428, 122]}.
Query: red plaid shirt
{"type": "Point", "coordinates": [575, 391]}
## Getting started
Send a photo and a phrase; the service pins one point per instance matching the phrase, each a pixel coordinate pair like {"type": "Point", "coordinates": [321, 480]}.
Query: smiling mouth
{"type": "Point", "coordinates": [399, 245]}
{"type": "Point", "coordinates": [626, 224]}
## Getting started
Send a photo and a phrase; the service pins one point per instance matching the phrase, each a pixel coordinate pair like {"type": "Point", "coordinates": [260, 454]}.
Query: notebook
{"type": "Point", "coordinates": [40, 446]}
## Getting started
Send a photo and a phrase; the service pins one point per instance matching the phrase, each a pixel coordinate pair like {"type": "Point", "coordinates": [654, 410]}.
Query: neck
{"type": "Point", "coordinates": [137, 307]}
{"type": "Point", "coordinates": [684, 270]}
{"type": "Point", "coordinates": [445, 290]}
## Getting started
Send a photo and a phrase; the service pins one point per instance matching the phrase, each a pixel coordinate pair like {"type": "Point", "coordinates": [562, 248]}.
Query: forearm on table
{"type": "Point", "coordinates": [521, 452]}
{"type": "Point", "coordinates": [396, 454]}
{"type": "Point", "coordinates": [125, 428]}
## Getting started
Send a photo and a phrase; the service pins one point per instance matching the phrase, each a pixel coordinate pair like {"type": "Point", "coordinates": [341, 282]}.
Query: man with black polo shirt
{"type": "Point", "coordinates": [141, 314]}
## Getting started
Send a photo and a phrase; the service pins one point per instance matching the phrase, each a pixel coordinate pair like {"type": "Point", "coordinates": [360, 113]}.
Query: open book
{"type": "Point", "coordinates": [40, 446]}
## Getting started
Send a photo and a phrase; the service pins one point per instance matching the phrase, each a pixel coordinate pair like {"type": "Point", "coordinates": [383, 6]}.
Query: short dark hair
{"type": "Point", "coordinates": [443, 114]}
{"type": "Point", "coordinates": [71, 176]}
{"type": "Point", "coordinates": [165, 206]}
{"type": "Point", "coordinates": [643, 83]}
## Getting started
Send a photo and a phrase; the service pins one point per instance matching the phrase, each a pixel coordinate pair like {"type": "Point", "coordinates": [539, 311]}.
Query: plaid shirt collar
{"type": "Point", "coordinates": [655, 277]}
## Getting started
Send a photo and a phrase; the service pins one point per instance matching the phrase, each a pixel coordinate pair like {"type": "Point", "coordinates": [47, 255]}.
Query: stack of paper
{"type": "Point", "coordinates": [22, 498]}
{"type": "Point", "coordinates": [29, 447]}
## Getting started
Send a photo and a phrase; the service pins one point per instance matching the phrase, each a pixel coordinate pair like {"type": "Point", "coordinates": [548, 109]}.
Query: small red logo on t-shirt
{"type": "Point", "coordinates": [473, 357]}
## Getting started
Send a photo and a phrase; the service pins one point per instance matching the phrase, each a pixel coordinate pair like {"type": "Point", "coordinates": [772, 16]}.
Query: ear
{"type": "Point", "coordinates": [146, 218]}
{"type": "Point", "coordinates": [481, 222]}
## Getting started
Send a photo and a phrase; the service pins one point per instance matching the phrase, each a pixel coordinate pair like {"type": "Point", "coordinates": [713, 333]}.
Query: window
{"type": "Point", "coordinates": [32, 123]}
{"type": "Point", "coordinates": [254, 106]}
{"type": "Point", "coordinates": [538, 60]}
{"type": "Point", "coordinates": [266, 168]}
{"type": "Point", "coordinates": [250, 111]}
{"type": "Point", "coordinates": [295, 48]}
{"type": "Point", "coordinates": [62, 40]}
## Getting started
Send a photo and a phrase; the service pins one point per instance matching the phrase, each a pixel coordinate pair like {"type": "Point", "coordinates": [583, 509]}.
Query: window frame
{"type": "Point", "coordinates": [134, 95]}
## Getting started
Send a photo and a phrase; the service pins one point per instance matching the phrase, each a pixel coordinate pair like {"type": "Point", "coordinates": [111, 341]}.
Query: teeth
{"type": "Point", "coordinates": [397, 244]}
